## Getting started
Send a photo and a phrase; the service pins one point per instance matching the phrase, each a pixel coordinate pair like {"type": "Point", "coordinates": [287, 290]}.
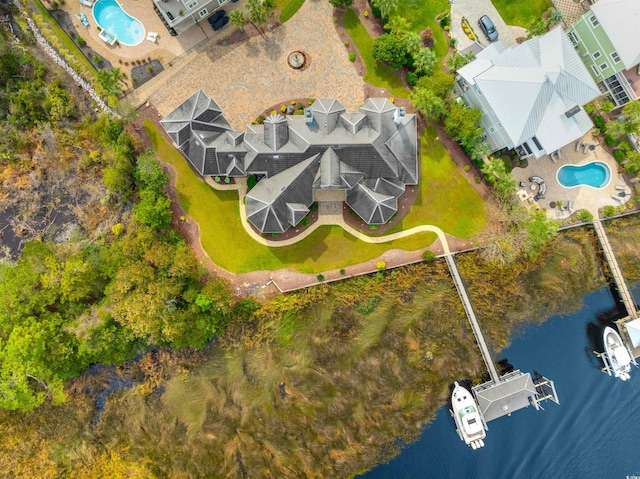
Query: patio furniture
{"type": "Point", "coordinates": [569, 206]}
{"type": "Point", "coordinates": [586, 148]}
{"type": "Point", "coordinates": [152, 36]}
{"type": "Point", "coordinates": [578, 145]}
{"type": "Point", "coordinates": [83, 19]}
{"type": "Point", "coordinates": [87, 3]}
{"type": "Point", "coordinates": [533, 187]}
{"type": "Point", "coordinates": [521, 184]}
{"type": "Point", "coordinates": [621, 187]}
{"type": "Point", "coordinates": [553, 156]}
{"type": "Point", "coordinates": [543, 189]}
{"type": "Point", "coordinates": [617, 198]}
{"type": "Point", "coordinates": [559, 152]}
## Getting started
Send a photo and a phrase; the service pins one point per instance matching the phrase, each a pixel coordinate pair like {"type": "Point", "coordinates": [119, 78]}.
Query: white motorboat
{"type": "Point", "coordinates": [617, 355]}
{"type": "Point", "coordinates": [465, 412]}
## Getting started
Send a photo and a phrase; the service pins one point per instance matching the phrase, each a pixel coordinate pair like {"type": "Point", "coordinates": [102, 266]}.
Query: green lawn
{"type": "Point", "coordinates": [64, 38]}
{"type": "Point", "coordinates": [520, 13]}
{"type": "Point", "coordinates": [229, 245]}
{"type": "Point", "coordinates": [421, 14]}
{"type": "Point", "coordinates": [288, 8]}
{"type": "Point", "coordinates": [377, 74]}
{"type": "Point", "coordinates": [446, 198]}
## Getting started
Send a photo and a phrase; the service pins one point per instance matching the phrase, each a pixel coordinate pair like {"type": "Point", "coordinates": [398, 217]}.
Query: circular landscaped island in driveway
{"type": "Point", "coordinates": [297, 60]}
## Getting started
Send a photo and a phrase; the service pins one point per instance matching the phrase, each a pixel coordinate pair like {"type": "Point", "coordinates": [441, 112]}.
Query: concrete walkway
{"type": "Point", "coordinates": [323, 220]}
{"type": "Point", "coordinates": [472, 10]}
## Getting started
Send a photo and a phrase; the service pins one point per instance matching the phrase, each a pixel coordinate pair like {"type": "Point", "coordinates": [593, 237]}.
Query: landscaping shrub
{"type": "Point", "coordinates": [305, 221]}
{"type": "Point", "coordinates": [352, 57]}
{"type": "Point", "coordinates": [81, 41]}
{"type": "Point", "coordinates": [283, 108]}
{"type": "Point", "coordinates": [342, 271]}
{"type": "Point", "coordinates": [320, 277]}
{"type": "Point", "coordinates": [381, 265]}
{"type": "Point", "coordinates": [619, 155]}
{"type": "Point", "coordinates": [599, 122]}
{"type": "Point", "coordinates": [609, 140]}
{"type": "Point", "coordinates": [428, 256]}
{"type": "Point", "coordinates": [412, 79]}
{"type": "Point", "coordinates": [251, 181]}
{"type": "Point", "coordinates": [376, 11]}
{"type": "Point", "coordinates": [584, 215]}
{"type": "Point", "coordinates": [609, 211]}
{"type": "Point", "coordinates": [467, 167]}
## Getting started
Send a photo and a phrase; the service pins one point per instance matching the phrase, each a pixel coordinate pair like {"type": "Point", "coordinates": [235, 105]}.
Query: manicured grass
{"type": "Point", "coordinates": [64, 38]}
{"type": "Point", "coordinates": [446, 198]}
{"type": "Point", "coordinates": [288, 8]}
{"type": "Point", "coordinates": [521, 12]}
{"type": "Point", "coordinates": [377, 74]}
{"type": "Point", "coordinates": [421, 14]}
{"type": "Point", "coordinates": [229, 246]}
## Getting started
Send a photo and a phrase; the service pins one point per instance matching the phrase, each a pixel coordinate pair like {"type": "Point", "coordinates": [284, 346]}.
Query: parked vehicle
{"type": "Point", "coordinates": [216, 16]}
{"type": "Point", "coordinates": [488, 28]}
{"type": "Point", "coordinates": [219, 23]}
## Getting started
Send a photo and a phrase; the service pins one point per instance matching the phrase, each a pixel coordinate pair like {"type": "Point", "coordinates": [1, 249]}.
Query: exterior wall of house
{"type": "Point", "coordinates": [595, 48]}
{"type": "Point", "coordinates": [193, 11]}
{"type": "Point", "coordinates": [495, 135]}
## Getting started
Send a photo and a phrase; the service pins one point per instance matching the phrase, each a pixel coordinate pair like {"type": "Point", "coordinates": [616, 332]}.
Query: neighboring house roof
{"type": "Point", "coordinates": [510, 394]}
{"type": "Point", "coordinates": [371, 154]}
{"type": "Point", "coordinates": [531, 86]}
{"type": "Point", "coordinates": [620, 19]}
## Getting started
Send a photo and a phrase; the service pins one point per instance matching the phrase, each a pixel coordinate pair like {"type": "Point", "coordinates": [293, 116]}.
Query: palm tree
{"type": "Point", "coordinates": [424, 61]}
{"type": "Point", "coordinates": [493, 169]}
{"type": "Point", "coordinates": [238, 19]}
{"type": "Point", "coordinates": [428, 103]}
{"type": "Point", "coordinates": [386, 7]}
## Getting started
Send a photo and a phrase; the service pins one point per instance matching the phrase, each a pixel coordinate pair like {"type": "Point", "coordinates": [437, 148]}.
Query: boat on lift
{"type": "Point", "coordinates": [617, 358]}
{"type": "Point", "coordinates": [469, 422]}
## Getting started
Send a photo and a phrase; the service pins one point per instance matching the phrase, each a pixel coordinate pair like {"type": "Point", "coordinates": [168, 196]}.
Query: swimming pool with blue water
{"type": "Point", "coordinates": [110, 16]}
{"type": "Point", "coordinates": [595, 174]}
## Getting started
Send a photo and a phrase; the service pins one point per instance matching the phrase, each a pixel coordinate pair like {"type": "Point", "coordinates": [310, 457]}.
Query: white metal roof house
{"type": "Point", "coordinates": [366, 158]}
{"type": "Point", "coordinates": [531, 95]}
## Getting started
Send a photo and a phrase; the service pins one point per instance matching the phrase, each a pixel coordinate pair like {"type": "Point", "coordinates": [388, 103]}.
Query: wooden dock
{"type": "Point", "coordinates": [473, 320]}
{"type": "Point", "coordinates": [621, 285]}
{"type": "Point", "coordinates": [616, 273]}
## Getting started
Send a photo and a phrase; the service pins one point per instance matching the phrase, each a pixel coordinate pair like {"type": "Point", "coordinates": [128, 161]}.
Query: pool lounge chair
{"type": "Point", "coordinates": [87, 3]}
{"type": "Point", "coordinates": [83, 19]}
{"type": "Point", "coordinates": [152, 36]}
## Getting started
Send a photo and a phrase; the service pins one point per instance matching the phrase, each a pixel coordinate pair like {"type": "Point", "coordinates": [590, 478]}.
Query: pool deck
{"type": "Point", "coordinates": [581, 197]}
{"type": "Point", "coordinates": [166, 48]}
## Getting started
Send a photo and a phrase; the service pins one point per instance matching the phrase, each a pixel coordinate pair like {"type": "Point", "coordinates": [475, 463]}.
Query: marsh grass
{"type": "Point", "coordinates": [623, 234]}
{"type": "Point", "coordinates": [340, 393]}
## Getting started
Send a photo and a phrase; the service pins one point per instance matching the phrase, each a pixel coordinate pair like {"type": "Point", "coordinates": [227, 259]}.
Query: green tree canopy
{"type": "Point", "coordinates": [389, 49]}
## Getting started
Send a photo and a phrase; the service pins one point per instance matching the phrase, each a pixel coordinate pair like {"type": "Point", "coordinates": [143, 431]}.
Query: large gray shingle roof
{"type": "Point", "coordinates": [372, 154]}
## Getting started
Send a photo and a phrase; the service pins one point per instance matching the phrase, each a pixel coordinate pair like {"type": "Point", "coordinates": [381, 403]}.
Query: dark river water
{"type": "Point", "coordinates": [593, 433]}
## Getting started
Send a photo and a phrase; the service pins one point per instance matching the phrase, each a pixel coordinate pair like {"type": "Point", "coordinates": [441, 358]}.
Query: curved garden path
{"type": "Point", "coordinates": [338, 220]}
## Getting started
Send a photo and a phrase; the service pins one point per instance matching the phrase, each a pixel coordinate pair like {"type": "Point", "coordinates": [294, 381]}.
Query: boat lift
{"type": "Point", "coordinates": [607, 368]}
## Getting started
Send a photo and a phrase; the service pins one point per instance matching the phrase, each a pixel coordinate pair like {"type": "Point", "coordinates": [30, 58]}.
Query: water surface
{"type": "Point", "coordinates": [593, 433]}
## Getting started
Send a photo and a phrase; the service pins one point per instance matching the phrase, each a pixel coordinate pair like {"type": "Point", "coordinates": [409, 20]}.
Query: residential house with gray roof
{"type": "Point", "coordinates": [367, 157]}
{"type": "Point", "coordinates": [531, 95]}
